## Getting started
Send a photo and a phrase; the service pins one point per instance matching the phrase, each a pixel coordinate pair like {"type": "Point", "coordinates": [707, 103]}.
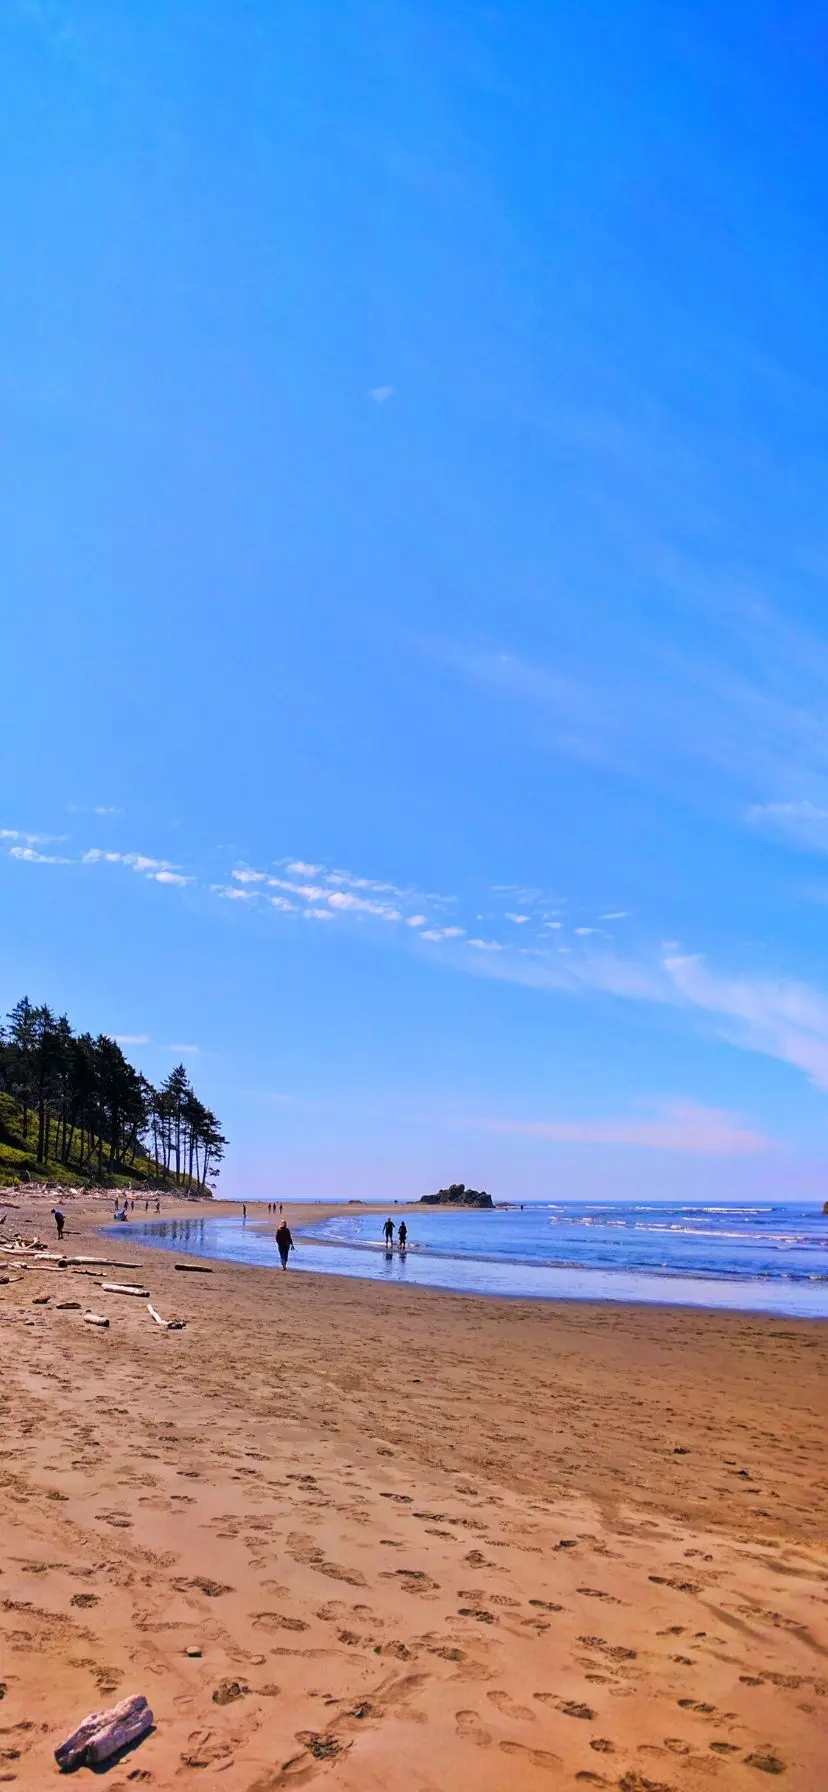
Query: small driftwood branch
{"type": "Point", "coordinates": [195, 1269]}
{"type": "Point", "coordinates": [95, 1319]}
{"type": "Point", "coordinates": [105, 1733]}
{"type": "Point", "coordinates": [124, 1288]}
{"type": "Point", "coordinates": [167, 1325]}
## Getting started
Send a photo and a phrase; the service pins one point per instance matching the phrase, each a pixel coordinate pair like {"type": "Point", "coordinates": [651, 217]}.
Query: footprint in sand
{"type": "Point", "coordinates": [518, 1713]}
{"type": "Point", "coordinates": [615, 1651]}
{"type": "Point", "coordinates": [470, 1728]}
{"type": "Point", "coordinates": [276, 1621]}
{"type": "Point", "coordinates": [534, 1757]}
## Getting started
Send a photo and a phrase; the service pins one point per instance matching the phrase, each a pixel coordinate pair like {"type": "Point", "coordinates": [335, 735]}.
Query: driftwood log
{"type": "Point", "coordinates": [59, 1259]}
{"type": "Point", "coordinates": [167, 1325]}
{"type": "Point", "coordinates": [124, 1288]}
{"type": "Point", "coordinates": [104, 1733]}
{"type": "Point", "coordinates": [195, 1269]}
{"type": "Point", "coordinates": [95, 1319]}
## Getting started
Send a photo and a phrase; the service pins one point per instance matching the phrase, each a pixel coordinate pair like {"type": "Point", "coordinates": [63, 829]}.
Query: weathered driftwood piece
{"type": "Point", "coordinates": [167, 1325]}
{"type": "Point", "coordinates": [104, 1263]}
{"type": "Point", "coordinates": [195, 1269]}
{"type": "Point", "coordinates": [95, 1319]}
{"type": "Point", "coordinates": [32, 1250]}
{"type": "Point", "coordinates": [104, 1733]}
{"type": "Point", "coordinates": [123, 1288]}
{"type": "Point", "coordinates": [59, 1259]}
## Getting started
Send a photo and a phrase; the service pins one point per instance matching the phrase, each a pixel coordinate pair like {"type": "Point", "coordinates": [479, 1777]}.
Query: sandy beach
{"type": "Point", "coordinates": [419, 1540]}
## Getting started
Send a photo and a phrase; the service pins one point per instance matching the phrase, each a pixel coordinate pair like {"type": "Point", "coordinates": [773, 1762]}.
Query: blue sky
{"type": "Point", "coordinates": [414, 549]}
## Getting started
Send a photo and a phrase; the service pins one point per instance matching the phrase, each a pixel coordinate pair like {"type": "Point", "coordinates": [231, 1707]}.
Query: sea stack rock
{"type": "Point", "coordinates": [458, 1195]}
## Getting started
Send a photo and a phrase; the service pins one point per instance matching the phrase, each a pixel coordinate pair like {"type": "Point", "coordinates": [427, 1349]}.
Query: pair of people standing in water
{"type": "Point", "coordinates": [402, 1234]}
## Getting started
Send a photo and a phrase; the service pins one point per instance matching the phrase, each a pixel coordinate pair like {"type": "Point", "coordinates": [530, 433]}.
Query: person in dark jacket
{"type": "Point", "coordinates": [284, 1242]}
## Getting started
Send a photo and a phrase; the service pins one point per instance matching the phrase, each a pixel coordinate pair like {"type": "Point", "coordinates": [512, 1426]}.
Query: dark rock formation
{"type": "Point", "coordinates": [458, 1195]}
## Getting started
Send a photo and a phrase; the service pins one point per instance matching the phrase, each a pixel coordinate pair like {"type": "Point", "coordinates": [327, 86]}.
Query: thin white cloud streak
{"type": "Point", "coordinates": [30, 839]}
{"type": "Point", "coordinates": [801, 823]}
{"type": "Point", "coordinates": [335, 892]}
{"type": "Point", "coordinates": [679, 1126]}
{"type": "Point", "coordinates": [780, 1018]}
{"type": "Point", "coordinates": [30, 857]}
{"type": "Point", "coordinates": [754, 709]}
{"type": "Point", "coordinates": [159, 871]}
{"type": "Point", "coordinates": [228, 894]}
{"type": "Point", "coordinates": [132, 1039]}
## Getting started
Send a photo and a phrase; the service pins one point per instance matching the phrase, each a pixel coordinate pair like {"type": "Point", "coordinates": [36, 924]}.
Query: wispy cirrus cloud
{"type": "Point", "coordinates": [781, 1018]}
{"type": "Point", "coordinates": [753, 707]}
{"type": "Point", "coordinates": [31, 856]}
{"type": "Point", "coordinates": [160, 871]}
{"type": "Point", "coordinates": [681, 1126]}
{"type": "Point", "coordinates": [330, 893]}
{"type": "Point", "coordinates": [132, 1039]}
{"type": "Point", "coordinates": [801, 822]}
{"type": "Point", "coordinates": [28, 839]}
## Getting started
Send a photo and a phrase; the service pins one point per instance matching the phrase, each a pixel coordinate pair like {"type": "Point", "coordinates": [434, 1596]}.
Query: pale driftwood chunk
{"type": "Point", "coordinates": [95, 1319]}
{"type": "Point", "coordinates": [104, 1733]}
{"type": "Point", "coordinates": [124, 1288]}
{"type": "Point", "coordinates": [167, 1325]}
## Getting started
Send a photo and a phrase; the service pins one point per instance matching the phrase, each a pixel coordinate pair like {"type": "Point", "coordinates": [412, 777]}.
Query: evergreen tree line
{"type": "Point", "coordinates": [95, 1111]}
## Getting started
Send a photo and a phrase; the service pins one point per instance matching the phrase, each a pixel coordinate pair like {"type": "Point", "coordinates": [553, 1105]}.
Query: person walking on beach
{"type": "Point", "coordinates": [403, 1234]}
{"type": "Point", "coordinates": [284, 1242]}
{"type": "Point", "coordinates": [59, 1221]}
{"type": "Point", "coordinates": [244, 1210]}
{"type": "Point", "coordinates": [388, 1229]}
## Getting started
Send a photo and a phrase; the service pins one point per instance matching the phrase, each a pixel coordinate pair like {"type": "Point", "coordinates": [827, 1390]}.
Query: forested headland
{"type": "Point", "coordinates": [73, 1107]}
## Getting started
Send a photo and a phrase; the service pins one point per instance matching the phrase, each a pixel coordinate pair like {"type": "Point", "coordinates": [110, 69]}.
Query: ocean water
{"type": "Point", "coordinates": [760, 1258]}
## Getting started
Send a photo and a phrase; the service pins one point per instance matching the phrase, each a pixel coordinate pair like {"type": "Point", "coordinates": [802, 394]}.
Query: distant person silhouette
{"type": "Point", "coordinates": [59, 1221]}
{"type": "Point", "coordinates": [402, 1234]}
{"type": "Point", "coordinates": [284, 1242]}
{"type": "Point", "coordinates": [388, 1229]}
